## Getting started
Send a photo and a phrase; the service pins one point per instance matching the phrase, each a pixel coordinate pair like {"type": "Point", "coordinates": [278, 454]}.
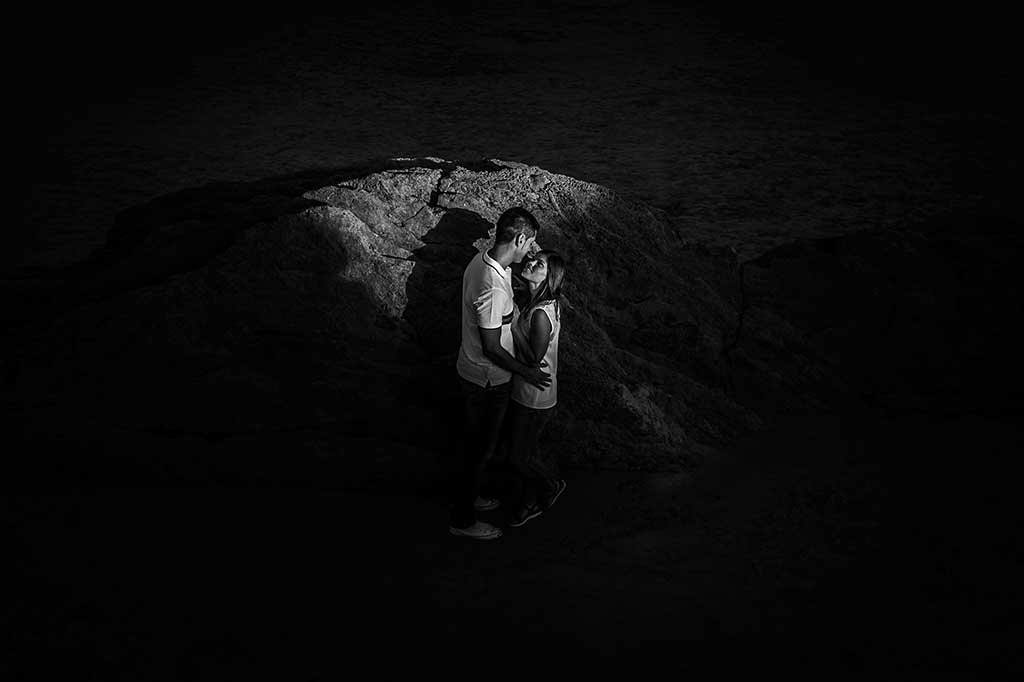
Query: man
{"type": "Point", "coordinates": [486, 363]}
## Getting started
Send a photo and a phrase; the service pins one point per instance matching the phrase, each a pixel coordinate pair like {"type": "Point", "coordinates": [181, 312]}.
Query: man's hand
{"type": "Point", "coordinates": [536, 376]}
{"type": "Point", "coordinates": [490, 339]}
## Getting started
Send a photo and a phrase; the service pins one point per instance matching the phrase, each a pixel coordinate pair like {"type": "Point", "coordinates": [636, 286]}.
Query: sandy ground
{"type": "Point", "coordinates": [845, 547]}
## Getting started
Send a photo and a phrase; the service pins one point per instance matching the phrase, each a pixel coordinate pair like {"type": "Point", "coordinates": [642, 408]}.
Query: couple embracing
{"type": "Point", "coordinates": [508, 371]}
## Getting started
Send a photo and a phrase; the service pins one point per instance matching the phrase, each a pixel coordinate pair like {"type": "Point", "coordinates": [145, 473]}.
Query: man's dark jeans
{"type": "Point", "coordinates": [483, 413]}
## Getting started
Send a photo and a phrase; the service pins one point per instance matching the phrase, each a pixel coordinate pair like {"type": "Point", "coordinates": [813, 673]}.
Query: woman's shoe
{"type": "Point", "coordinates": [524, 514]}
{"type": "Point", "coordinates": [560, 486]}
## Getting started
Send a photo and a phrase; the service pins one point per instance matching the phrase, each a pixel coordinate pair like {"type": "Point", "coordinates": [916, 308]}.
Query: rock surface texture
{"type": "Point", "coordinates": [317, 314]}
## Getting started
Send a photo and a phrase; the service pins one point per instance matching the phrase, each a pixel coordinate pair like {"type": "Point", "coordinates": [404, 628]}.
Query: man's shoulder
{"type": "Point", "coordinates": [480, 272]}
{"type": "Point", "coordinates": [472, 269]}
{"type": "Point", "coordinates": [475, 264]}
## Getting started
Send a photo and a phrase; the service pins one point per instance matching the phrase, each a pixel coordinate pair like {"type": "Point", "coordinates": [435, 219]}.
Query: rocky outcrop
{"type": "Point", "coordinates": [319, 312]}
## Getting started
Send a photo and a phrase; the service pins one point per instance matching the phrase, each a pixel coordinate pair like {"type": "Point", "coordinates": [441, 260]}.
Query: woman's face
{"type": "Point", "coordinates": [535, 269]}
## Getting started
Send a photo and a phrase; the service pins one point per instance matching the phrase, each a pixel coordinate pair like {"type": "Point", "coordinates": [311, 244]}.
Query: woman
{"type": "Point", "coordinates": [536, 336]}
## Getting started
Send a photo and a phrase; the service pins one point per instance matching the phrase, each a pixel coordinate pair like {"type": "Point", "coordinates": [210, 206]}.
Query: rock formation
{"type": "Point", "coordinates": [317, 315]}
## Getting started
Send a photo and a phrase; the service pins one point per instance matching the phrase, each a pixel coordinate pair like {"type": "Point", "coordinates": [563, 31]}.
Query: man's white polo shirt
{"type": "Point", "coordinates": [487, 304]}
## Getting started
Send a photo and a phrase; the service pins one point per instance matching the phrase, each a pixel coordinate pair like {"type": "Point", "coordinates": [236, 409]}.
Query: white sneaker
{"type": "Point", "coordinates": [478, 531]}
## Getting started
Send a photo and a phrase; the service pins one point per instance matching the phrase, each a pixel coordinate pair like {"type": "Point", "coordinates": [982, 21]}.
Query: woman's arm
{"type": "Point", "coordinates": [540, 332]}
{"type": "Point", "coordinates": [523, 350]}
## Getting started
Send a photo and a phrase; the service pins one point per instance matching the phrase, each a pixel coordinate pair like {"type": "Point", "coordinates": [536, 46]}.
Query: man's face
{"type": "Point", "coordinates": [527, 246]}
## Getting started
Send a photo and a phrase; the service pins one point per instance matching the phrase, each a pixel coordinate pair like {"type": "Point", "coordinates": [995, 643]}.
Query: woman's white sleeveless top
{"type": "Point", "coordinates": [527, 394]}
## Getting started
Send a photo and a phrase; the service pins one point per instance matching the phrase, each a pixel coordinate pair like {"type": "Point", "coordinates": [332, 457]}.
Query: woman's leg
{"type": "Point", "coordinates": [539, 473]}
{"type": "Point", "coordinates": [523, 442]}
{"type": "Point", "coordinates": [544, 464]}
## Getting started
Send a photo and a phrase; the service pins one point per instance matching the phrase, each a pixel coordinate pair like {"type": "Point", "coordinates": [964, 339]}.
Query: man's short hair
{"type": "Point", "coordinates": [514, 222]}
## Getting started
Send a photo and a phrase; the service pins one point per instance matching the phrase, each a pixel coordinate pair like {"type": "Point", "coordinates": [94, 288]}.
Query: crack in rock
{"type": "Point", "coordinates": [437, 192]}
{"type": "Point", "coordinates": [728, 348]}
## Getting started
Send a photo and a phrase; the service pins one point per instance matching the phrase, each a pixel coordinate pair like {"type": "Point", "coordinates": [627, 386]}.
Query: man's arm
{"type": "Point", "coordinates": [490, 339]}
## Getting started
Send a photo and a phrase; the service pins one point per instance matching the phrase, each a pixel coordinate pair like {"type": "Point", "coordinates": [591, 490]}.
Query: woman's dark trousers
{"type": "Point", "coordinates": [539, 471]}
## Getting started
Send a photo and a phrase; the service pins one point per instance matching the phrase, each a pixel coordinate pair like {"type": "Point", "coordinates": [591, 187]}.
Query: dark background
{"type": "Point", "coordinates": [846, 543]}
{"type": "Point", "coordinates": [656, 100]}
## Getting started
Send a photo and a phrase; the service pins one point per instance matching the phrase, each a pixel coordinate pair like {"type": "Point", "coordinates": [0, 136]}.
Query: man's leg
{"type": "Point", "coordinates": [484, 411]}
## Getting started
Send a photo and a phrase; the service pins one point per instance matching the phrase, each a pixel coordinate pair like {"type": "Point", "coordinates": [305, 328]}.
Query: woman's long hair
{"type": "Point", "coordinates": [551, 288]}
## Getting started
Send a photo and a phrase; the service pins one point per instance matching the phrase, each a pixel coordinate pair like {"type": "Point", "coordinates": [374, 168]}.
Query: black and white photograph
{"type": "Point", "coordinates": [577, 339]}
